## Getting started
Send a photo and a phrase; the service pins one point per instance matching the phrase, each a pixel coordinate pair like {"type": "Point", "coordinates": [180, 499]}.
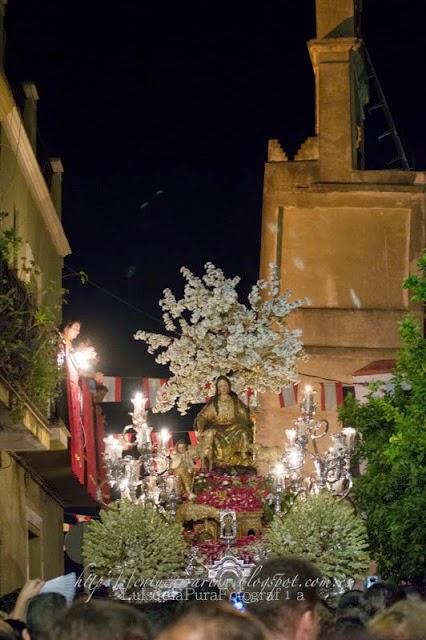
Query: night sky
{"type": "Point", "coordinates": [161, 112]}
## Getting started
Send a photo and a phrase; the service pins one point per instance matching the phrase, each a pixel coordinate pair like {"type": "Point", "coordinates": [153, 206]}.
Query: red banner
{"type": "Point", "coordinates": [331, 395]}
{"type": "Point", "coordinates": [89, 432]}
{"type": "Point", "coordinates": [288, 396]}
{"type": "Point", "coordinates": [74, 419]}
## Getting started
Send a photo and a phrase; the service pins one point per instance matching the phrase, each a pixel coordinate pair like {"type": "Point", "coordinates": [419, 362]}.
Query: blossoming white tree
{"type": "Point", "coordinates": [214, 334]}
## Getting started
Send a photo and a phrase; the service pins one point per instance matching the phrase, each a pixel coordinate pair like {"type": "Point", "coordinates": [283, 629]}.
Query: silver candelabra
{"type": "Point", "coordinates": [331, 469]}
{"type": "Point", "coordinates": [139, 471]}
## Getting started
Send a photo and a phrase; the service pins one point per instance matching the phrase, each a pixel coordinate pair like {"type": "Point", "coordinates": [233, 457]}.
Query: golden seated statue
{"type": "Point", "coordinates": [230, 418]}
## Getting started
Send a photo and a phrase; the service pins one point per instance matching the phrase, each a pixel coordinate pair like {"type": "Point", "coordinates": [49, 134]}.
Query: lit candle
{"type": "Point", "coordinates": [113, 448]}
{"type": "Point", "coordinates": [171, 484]}
{"type": "Point", "coordinates": [294, 458]}
{"type": "Point", "coordinates": [279, 471]}
{"type": "Point", "coordinates": [337, 443]}
{"type": "Point", "coordinates": [164, 437]}
{"type": "Point", "coordinates": [108, 442]}
{"type": "Point", "coordinates": [291, 436]}
{"type": "Point", "coordinates": [118, 449]}
{"type": "Point", "coordinates": [349, 434]}
{"type": "Point", "coordinates": [300, 426]}
{"type": "Point", "coordinates": [308, 402]}
{"type": "Point", "coordinates": [138, 402]}
{"type": "Point", "coordinates": [124, 484]}
{"type": "Point", "coordinates": [144, 434]}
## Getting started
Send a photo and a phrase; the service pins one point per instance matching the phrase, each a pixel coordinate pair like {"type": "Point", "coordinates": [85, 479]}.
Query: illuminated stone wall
{"type": "Point", "coordinates": [343, 238]}
{"type": "Point", "coordinates": [31, 529]}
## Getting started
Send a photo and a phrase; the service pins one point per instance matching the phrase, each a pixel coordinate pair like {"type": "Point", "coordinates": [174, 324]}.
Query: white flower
{"type": "Point", "coordinates": [216, 334]}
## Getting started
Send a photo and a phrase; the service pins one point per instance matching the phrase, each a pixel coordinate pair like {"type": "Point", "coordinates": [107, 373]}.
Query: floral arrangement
{"type": "Point", "coordinates": [212, 550]}
{"type": "Point", "coordinates": [238, 493]}
{"type": "Point", "coordinates": [133, 542]}
{"type": "Point", "coordinates": [325, 531]}
{"type": "Point", "coordinates": [213, 334]}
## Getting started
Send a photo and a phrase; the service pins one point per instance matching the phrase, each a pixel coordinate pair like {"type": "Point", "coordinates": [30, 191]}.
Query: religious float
{"type": "Point", "coordinates": [213, 508]}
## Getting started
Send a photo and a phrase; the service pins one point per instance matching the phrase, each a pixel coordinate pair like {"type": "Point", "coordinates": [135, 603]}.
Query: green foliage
{"type": "Point", "coordinates": [417, 283]}
{"type": "Point", "coordinates": [43, 383]}
{"type": "Point", "coordinates": [392, 493]}
{"type": "Point", "coordinates": [134, 542]}
{"type": "Point", "coordinates": [81, 275]}
{"type": "Point", "coordinates": [9, 241]}
{"type": "Point", "coordinates": [29, 341]}
{"type": "Point", "coordinates": [325, 531]}
{"type": "Point", "coordinates": [288, 498]}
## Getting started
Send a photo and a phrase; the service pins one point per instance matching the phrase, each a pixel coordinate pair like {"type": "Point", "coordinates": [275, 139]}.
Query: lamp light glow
{"type": "Point", "coordinates": [164, 436]}
{"type": "Point", "coordinates": [279, 469]}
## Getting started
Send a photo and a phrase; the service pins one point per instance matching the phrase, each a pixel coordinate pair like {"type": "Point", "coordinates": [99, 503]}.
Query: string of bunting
{"type": "Point", "coordinates": [121, 388]}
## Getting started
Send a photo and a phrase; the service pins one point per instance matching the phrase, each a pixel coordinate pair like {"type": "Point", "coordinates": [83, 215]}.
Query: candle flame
{"type": "Point", "coordinates": [164, 435]}
{"type": "Point", "coordinates": [279, 469]}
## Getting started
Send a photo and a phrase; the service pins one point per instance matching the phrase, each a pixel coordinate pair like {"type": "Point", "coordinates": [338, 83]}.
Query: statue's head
{"type": "Point", "coordinates": [223, 386]}
{"type": "Point", "coordinates": [180, 446]}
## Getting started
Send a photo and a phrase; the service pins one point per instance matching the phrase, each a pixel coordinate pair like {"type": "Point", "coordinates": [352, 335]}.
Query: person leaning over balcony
{"type": "Point", "coordinates": [78, 363]}
{"type": "Point", "coordinates": [86, 359]}
{"type": "Point", "coordinates": [68, 332]}
{"type": "Point", "coordinates": [83, 355]}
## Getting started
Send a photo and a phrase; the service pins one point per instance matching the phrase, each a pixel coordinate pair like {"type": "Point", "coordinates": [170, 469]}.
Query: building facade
{"type": "Point", "coordinates": [344, 238]}
{"type": "Point", "coordinates": [36, 482]}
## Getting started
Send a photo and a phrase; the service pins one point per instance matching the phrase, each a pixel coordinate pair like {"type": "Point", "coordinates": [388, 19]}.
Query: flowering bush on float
{"type": "Point", "coordinates": [211, 333]}
{"type": "Point", "coordinates": [133, 542]}
{"type": "Point", "coordinates": [326, 531]}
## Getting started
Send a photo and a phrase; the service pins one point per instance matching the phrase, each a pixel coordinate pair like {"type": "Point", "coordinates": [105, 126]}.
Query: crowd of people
{"type": "Point", "coordinates": [282, 601]}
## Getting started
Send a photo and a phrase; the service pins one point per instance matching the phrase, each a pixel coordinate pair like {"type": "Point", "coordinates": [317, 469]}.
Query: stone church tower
{"type": "Point", "coordinates": [343, 237]}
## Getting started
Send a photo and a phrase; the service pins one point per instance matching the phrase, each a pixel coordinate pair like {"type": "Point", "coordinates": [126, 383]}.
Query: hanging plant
{"type": "Point", "coordinates": [132, 542]}
{"type": "Point", "coordinates": [29, 341]}
{"type": "Point", "coordinates": [325, 531]}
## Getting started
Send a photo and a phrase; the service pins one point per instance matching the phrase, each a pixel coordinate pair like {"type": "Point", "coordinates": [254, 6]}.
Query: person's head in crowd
{"type": "Point", "coordinates": [204, 620]}
{"type": "Point", "coordinates": [326, 621]}
{"type": "Point", "coordinates": [413, 592]}
{"type": "Point", "coordinates": [6, 632]}
{"type": "Point", "coordinates": [379, 597]}
{"type": "Point", "coordinates": [42, 613]}
{"type": "Point", "coordinates": [405, 620]}
{"type": "Point", "coordinates": [347, 603]}
{"type": "Point", "coordinates": [350, 629]}
{"type": "Point", "coordinates": [204, 591]}
{"type": "Point", "coordinates": [7, 602]}
{"type": "Point", "coordinates": [283, 593]}
{"type": "Point", "coordinates": [159, 614]}
{"type": "Point", "coordinates": [104, 619]}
